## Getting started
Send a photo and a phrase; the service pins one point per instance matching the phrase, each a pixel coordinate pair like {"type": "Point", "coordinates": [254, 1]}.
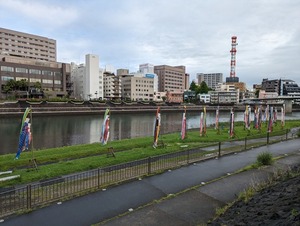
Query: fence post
{"type": "Point", "coordinates": [188, 156]}
{"type": "Point", "coordinates": [286, 134]}
{"type": "Point", "coordinates": [268, 136]}
{"type": "Point", "coordinates": [28, 196]}
{"type": "Point", "coordinates": [149, 165]}
{"type": "Point", "coordinates": [245, 143]}
{"type": "Point", "coordinates": [219, 154]}
{"type": "Point", "coordinates": [98, 178]}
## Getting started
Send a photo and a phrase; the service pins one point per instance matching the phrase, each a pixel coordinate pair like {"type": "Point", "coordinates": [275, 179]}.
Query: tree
{"type": "Point", "coordinates": [37, 86]}
{"type": "Point", "coordinates": [203, 87]}
{"type": "Point", "coordinates": [10, 85]}
{"type": "Point", "coordinates": [193, 86]}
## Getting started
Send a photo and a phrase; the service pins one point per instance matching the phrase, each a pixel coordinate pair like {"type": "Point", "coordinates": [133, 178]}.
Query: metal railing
{"type": "Point", "coordinates": [41, 193]}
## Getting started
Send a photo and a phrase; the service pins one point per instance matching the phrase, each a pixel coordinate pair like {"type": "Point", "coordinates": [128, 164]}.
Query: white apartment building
{"type": "Point", "coordinates": [148, 70]}
{"type": "Point", "coordinates": [211, 79]}
{"type": "Point", "coordinates": [137, 87]}
{"type": "Point", "coordinates": [88, 79]}
{"type": "Point", "coordinates": [205, 98]}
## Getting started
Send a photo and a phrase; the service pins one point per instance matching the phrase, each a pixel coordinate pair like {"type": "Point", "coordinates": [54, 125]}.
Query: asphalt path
{"type": "Point", "coordinates": [116, 200]}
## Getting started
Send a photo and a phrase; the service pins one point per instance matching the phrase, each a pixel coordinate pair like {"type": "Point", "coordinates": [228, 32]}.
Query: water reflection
{"type": "Point", "coordinates": [57, 131]}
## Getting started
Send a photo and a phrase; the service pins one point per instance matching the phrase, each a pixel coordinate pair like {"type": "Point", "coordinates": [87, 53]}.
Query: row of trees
{"type": "Point", "coordinates": [202, 88]}
{"type": "Point", "coordinates": [22, 85]}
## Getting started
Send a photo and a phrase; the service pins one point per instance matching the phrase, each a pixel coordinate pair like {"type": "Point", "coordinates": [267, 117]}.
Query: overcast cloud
{"type": "Point", "coordinates": [194, 33]}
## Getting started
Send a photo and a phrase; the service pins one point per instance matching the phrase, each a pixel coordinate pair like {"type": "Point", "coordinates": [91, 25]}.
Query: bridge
{"type": "Point", "coordinates": [280, 100]}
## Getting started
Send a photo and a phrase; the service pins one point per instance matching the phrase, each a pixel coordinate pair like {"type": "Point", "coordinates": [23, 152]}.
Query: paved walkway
{"type": "Point", "coordinates": [195, 206]}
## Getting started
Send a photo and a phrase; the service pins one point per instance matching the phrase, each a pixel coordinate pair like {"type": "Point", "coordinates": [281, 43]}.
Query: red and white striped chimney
{"type": "Point", "coordinates": [233, 53]}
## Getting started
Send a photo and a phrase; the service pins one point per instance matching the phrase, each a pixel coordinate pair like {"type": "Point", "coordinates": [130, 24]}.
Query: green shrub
{"type": "Point", "coordinates": [264, 158]}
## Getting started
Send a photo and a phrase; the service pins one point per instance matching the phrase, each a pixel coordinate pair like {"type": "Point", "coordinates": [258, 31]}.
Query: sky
{"type": "Point", "coordinates": [193, 33]}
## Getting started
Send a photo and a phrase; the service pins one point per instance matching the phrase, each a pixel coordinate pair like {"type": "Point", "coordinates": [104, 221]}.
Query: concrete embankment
{"type": "Point", "coordinates": [58, 108]}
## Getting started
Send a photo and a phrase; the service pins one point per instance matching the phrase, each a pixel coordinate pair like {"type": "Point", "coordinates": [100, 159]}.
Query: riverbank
{"type": "Point", "coordinates": [278, 204]}
{"type": "Point", "coordinates": [16, 108]}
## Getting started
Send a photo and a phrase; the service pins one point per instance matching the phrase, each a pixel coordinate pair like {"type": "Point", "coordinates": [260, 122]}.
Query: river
{"type": "Point", "coordinates": [58, 131]}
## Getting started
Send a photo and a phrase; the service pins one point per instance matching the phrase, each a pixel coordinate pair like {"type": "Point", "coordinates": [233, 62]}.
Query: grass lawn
{"type": "Point", "coordinates": [70, 159]}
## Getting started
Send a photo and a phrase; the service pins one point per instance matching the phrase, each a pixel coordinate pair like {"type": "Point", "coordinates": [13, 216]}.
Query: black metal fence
{"type": "Point", "coordinates": [38, 194]}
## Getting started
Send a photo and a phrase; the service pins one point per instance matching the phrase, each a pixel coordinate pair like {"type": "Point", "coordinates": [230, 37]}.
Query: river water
{"type": "Point", "coordinates": [58, 131]}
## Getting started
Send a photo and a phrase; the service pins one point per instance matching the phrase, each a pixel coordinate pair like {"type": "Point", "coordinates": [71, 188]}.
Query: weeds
{"type": "Point", "coordinates": [264, 159]}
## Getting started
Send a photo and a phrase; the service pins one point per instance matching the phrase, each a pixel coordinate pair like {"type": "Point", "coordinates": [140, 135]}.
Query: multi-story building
{"type": "Point", "coordinates": [224, 87]}
{"type": "Point", "coordinates": [148, 71]}
{"type": "Point", "coordinates": [88, 79]}
{"type": "Point", "coordinates": [170, 78]}
{"type": "Point", "coordinates": [121, 72]}
{"type": "Point", "coordinates": [137, 87]}
{"type": "Point", "coordinates": [271, 85]}
{"type": "Point", "coordinates": [53, 77]}
{"type": "Point", "coordinates": [15, 43]}
{"type": "Point", "coordinates": [211, 79]}
{"type": "Point", "coordinates": [283, 87]}
{"type": "Point", "coordinates": [289, 87]}
{"type": "Point", "coordinates": [204, 98]}
{"type": "Point", "coordinates": [221, 97]}
{"type": "Point", "coordinates": [224, 94]}
{"type": "Point", "coordinates": [111, 86]}
{"type": "Point", "coordinates": [32, 58]}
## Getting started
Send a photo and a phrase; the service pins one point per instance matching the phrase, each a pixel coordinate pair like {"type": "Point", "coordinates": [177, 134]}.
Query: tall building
{"type": "Point", "coordinates": [170, 78]}
{"type": "Point", "coordinates": [212, 79]}
{"type": "Point", "coordinates": [88, 78]}
{"type": "Point", "coordinates": [15, 43]}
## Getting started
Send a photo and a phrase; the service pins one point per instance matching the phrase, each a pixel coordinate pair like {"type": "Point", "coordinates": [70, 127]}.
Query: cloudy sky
{"type": "Point", "coordinates": [194, 33]}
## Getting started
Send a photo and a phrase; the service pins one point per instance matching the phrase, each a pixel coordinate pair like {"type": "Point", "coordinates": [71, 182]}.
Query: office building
{"type": "Point", "coordinates": [148, 71]}
{"type": "Point", "coordinates": [137, 87]}
{"type": "Point", "coordinates": [211, 79]}
{"type": "Point", "coordinates": [34, 47]}
{"type": "Point", "coordinates": [170, 78]}
{"type": "Point", "coordinates": [53, 77]}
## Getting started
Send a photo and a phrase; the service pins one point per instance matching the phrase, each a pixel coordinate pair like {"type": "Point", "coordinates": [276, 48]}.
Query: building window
{"type": "Point", "coordinates": [21, 70]}
{"type": "Point", "coordinates": [57, 73]}
{"type": "Point", "coordinates": [34, 71]}
{"type": "Point", "coordinates": [47, 81]}
{"type": "Point", "coordinates": [35, 80]}
{"type": "Point", "coordinates": [57, 82]}
{"type": "Point", "coordinates": [47, 73]}
{"type": "Point", "coordinates": [6, 68]}
{"type": "Point", "coordinates": [21, 78]}
{"type": "Point", "coordinates": [7, 78]}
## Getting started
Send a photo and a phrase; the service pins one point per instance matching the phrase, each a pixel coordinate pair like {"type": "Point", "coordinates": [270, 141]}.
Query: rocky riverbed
{"type": "Point", "coordinates": [275, 205]}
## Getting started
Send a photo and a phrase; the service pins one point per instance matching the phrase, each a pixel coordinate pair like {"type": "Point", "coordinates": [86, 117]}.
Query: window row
{"type": "Point", "coordinates": [31, 71]}
{"type": "Point", "coordinates": [45, 81]}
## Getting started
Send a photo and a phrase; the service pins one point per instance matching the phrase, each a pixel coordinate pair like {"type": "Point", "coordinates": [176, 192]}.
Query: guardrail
{"type": "Point", "coordinates": [41, 193]}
